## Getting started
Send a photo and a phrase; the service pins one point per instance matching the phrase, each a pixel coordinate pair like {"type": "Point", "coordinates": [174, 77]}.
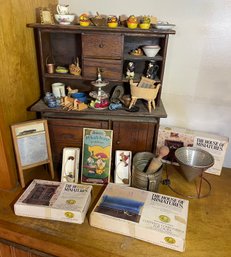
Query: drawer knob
{"type": "Point", "coordinates": [101, 45]}
{"type": "Point", "coordinates": [118, 142]}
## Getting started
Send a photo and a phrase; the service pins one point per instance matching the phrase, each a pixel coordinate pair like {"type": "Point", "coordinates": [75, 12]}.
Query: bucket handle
{"type": "Point", "coordinates": [153, 180]}
{"type": "Point", "coordinates": [151, 183]}
{"type": "Point", "coordinates": [53, 61]}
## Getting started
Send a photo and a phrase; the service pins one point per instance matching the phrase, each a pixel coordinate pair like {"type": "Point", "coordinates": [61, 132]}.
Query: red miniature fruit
{"type": "Point", "coordinates": [97, 105]}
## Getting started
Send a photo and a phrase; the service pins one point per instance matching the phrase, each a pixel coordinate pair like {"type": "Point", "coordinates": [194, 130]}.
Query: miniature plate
{"type": "Point", "coordinates": [99, 108]}
{"type": "Point", "coordinates": [164, 26]}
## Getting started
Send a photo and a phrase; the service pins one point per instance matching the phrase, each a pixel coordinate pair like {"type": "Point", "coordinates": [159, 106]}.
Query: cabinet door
{"type": "Point", "coordinates": [68, 133]}
{"type": "Point", "coordinates": [133, 136]}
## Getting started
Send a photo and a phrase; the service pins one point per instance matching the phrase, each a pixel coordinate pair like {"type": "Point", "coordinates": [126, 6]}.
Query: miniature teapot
{"type": "Point", "coordinates": [62, 9]}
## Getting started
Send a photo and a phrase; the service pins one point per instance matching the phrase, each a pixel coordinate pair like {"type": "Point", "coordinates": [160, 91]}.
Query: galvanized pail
{"type": "Point", "coordinates": [140, 179]}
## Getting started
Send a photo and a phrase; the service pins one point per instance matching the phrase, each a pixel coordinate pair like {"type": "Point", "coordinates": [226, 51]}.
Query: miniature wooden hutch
{"type": "Point", "coordinates": [109, 50]}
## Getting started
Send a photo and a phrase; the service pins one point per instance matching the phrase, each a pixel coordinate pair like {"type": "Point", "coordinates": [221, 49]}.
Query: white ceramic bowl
{"type": "Point", "coordinates": [64, 19]}
{"type": "Point", "coordinates": [151, 50]}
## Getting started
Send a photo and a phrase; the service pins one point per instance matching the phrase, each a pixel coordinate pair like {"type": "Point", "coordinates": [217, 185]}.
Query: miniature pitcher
{"type": "Point", "coordinates": [62, 9]}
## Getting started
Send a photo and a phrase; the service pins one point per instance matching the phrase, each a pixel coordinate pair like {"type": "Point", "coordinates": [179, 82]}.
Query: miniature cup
{"type": "Point", "coordinates": [50, 68]}
{"type": "Point", "coordinates": [58, 89]}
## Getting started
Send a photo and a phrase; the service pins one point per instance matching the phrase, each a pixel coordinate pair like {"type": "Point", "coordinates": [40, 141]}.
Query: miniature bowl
{"type": "Point", "coordinates": [64, 19]}
{"type": "Point", "coordinates": [80, 96]}
{"type": "Point", "coordinates": [151, 50]}
{"type": "Point", "coordinates": [132, 25]}
{"type": "Point", "coordinates": [144, 25]}
{"type": "Point", "coordinates": [112, 24]}
{"type": "Point", "coordinates": [84, 23]}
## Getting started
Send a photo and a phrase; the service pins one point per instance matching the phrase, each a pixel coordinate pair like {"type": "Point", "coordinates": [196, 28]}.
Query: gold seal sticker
{"type": "Point", "coordinates": [164, 218]}
{"type": "Point", "coordinates": [69, 214]}
{"type": "Point", "coordinates": [70, 201]}
{"type": "Point", "coordinates": [170, 240]}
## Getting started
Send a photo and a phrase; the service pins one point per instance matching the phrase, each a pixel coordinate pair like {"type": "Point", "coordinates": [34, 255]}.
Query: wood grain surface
{"type": "Point", "coordinates": [208, 232]}
{"type": "Point", "coordinates": [19, 81]}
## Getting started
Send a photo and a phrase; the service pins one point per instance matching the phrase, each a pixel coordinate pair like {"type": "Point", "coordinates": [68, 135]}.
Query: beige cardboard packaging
{"type": "Point", "coordinates": [152, 217]}
{"type": "Point", "coordinates": [54, 200]}
{"type": "Point", "coordinates": [175, 137]}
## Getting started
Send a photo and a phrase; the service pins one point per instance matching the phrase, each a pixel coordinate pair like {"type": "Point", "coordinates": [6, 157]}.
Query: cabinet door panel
{"type": "Point", "coordinates": [133, 136]}
{"type": "Point", "coordinates": [102, 46]}
{"type": "Point", "coordinates": [68, 133]}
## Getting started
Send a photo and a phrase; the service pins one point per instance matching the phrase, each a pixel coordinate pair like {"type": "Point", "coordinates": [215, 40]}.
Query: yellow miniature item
{"type": "Point", "coordinates": [132, 22]}
{"type": "Point", "coordinates": [112, 22]}
{"type": "Point", "coordinates": [84, 20]}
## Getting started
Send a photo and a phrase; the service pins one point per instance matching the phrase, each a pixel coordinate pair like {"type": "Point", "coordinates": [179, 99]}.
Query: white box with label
{"type": "Point", "coordinates": [175, 137]}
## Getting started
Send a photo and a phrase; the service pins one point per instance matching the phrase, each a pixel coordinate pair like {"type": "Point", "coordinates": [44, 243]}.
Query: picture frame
{"type": "Point", "coordinates": [32, 146]}
{"type": "Point", "coordinates": [96, 156]}
{"type": "Point", "coordinates": [146, 83]}
{"type": "Point", "coordinates": [46, 16]}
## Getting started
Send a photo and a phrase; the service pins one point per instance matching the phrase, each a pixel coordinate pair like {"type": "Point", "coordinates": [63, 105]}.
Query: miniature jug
{"type": "Point", "coordinates": [62, 9]}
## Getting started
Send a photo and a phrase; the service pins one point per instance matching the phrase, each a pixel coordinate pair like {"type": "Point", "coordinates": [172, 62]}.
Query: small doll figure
{"type": "Point", "coordinates": [130, 70]}
{"type": "Point", "coordinates": [152, 70]}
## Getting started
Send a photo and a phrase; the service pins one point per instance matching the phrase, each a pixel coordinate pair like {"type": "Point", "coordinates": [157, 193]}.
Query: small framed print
{"type": "Point", "coordinates": [96, 156]}
{"type": "Point", "coordinates": [122, 174]}
{"type": "Point", "coordinates": [46, 16]}
{"type": "Point", "coordinates": [146, 83]}
{"type": "Point", "coordinates": [70, 165]}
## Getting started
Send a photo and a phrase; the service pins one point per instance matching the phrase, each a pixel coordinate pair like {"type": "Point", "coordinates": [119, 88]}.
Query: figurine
{"type": "Point", "coordinates": [71, 91]}
{"type": "Point", "coordinates": [130, 70]}
{"type": "Point", "coordinates": [152, 70]}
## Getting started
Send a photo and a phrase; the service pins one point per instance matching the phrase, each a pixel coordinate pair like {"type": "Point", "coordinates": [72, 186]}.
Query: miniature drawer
{"type": "Point", "coordinates": [111, 69]}
{"type": "Point", "coordinates": [71, 131]}
{"type": "Point", "coordinates": [107, 46]}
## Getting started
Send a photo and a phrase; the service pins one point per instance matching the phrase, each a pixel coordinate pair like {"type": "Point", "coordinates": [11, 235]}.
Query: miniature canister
{"type": "Point", "coordinates": [140, 179]}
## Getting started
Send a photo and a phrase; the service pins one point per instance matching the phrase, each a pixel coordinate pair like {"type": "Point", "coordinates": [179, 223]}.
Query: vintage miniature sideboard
{"type": "Point", "coordinates": [109, 50]}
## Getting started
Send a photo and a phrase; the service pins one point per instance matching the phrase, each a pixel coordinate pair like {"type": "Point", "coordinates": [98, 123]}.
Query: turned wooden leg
{"type": "Point", "coordinates": [133, 102]}
{"type": "Point", "coordinates": [149, 105]}
{"type": "Point", "coordinates": [154, 104]}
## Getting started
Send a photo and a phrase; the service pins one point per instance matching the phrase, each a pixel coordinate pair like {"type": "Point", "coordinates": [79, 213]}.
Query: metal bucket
{"type": "Point", "coordinates": [140, 179]}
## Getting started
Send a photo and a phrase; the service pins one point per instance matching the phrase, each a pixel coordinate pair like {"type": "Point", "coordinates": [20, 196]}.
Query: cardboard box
{"type": "Point", "coordinates": [175, 137]}
{"type": "Point", "coordinates": [152, 217]}
{"type": "Point", "coordinates": [53, 200]}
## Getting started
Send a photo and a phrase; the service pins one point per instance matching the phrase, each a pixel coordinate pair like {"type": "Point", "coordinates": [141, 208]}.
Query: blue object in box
{"type": "Point", "coordinates": [120, 203]}
{"type": "Point", "coordinates": [80, 96]}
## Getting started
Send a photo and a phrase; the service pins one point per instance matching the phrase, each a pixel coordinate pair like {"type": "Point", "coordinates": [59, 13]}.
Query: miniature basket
{"type": "Point", "coordinates": [74, 68]}
{"type": "Point", "coordinates": [99, 22]}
